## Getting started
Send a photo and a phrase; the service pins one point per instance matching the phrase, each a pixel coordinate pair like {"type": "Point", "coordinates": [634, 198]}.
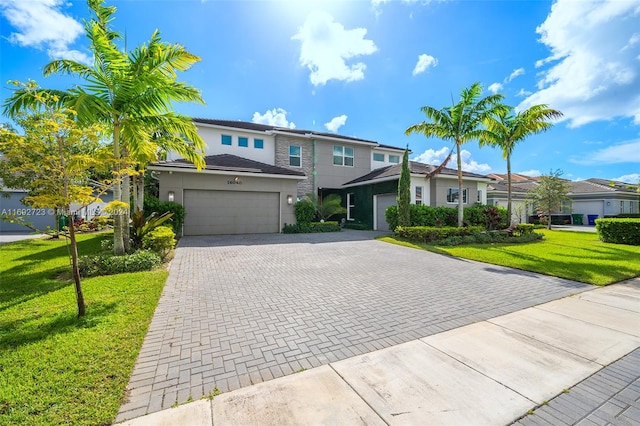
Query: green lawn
{"type": "Point", "coordinates": [578, 256]}
{"type": "Point", "coordinates": [54, 367]}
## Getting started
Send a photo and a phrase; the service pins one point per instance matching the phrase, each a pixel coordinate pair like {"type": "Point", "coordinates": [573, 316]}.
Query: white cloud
{"type": "Point", "coordinates": [495, 87]}
{"type": "Point", "coordinates": [42, 25]}
{"type": "Point", "coordinates": [327, 45]}
{"type": "Point", "coordinates": [434, 157]}
{"type": "Point", "coordinates": [628, 152]}
{"type": "Point", "coordinates": [593, 70]}
{"type": "Point", "coordinates": [336, 123]}
{"type": "Point", "coordinates": [633, 178]}
{"type": "Point", "coordinates": [523, 92]}
{"type": "Point", "coordinates": [274, 117]}
{"type": "Point", "coordinates": [531, 173]}
{"type": "Point", "coordinates": [514, 74]}
{"type": "Point", "coordinates": [424, 61]}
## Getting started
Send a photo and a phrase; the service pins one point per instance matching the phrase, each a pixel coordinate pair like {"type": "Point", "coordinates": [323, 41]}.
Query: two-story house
{"type": "Point", "coordinates": [254, 174]}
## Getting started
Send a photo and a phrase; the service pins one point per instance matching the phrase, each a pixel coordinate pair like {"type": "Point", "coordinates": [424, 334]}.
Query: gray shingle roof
{"type": "Point", "coordinates": [414, 166]}
{"type": "Point", "coordinates": [265, 128]}
{"type": "Point", "coordinates": [228, 162]}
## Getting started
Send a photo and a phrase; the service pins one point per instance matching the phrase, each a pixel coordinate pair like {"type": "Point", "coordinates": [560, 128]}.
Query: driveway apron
{"type": "Point", "coordinates": [239, 310]}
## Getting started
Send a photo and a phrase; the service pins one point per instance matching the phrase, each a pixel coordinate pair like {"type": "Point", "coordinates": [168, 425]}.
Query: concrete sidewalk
{"type": "Point", "coordinates": [490, 372]}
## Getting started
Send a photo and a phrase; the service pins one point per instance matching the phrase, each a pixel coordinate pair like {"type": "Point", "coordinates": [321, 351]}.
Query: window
{"type": "Point", "coordinates": [342, 156]}
{"type": "Point", "coordinates": [479, 196]}
{"type": "Point", "coordinates": [295, 156]}
{"type": "Point", "coordinates": [258, 143]}
{"type": "Point", "coordinates": [394, 159]}
{"type": "Point", "coordinates": [452, 195]}
{"type": "Point", "coordinates": [378, 157]}
{"type": "Point", "coordinates": [242, 141]}
{"type": "Point", "coordinates": [226, 140]}
{"type": "Point", "coordinates": [621, 206]}
{"type": "Point", "coordinates": [351, 206]}
{"type": "Point", "coordinates": [418, 195]}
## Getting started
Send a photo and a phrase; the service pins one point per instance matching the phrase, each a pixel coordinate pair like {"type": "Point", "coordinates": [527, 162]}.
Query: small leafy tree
{"type": "Point", "coordinates": [51, 160]}
{"type": "Point", "coordinates": [550, 193]}
{"type": "Point", "coordinates": [404, 192]}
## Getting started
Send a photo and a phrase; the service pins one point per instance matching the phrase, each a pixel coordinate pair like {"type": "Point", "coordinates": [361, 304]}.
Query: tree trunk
{"type": "Point", "coordinates": [118, 240]}
{"type": "Point", "coordinates": [460, 207]}
{"type": "Point", "coordinates": [140, 189]}
{"type": "Point", "coordinates": [509, 218]}
{"type": "Point", "coordinates": [126, 197]}
{"type": "Point", "coordinates": [75, 271]}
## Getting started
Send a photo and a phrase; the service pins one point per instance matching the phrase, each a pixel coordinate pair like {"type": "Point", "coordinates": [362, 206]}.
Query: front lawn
{"type": "Point", "coordinates": [577, 256]}
{"type": "Point", "coordinates": [56, 368]}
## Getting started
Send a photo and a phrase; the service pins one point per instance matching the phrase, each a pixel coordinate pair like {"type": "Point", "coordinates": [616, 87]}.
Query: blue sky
{"type": "Point", "coordinates": [364, 68]}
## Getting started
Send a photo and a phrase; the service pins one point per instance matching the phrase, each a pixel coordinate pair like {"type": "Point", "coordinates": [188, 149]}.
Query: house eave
{"type": "Point", "coordinates": [227, 172]}
{"type": "Point", "coordinates": [235, 129]}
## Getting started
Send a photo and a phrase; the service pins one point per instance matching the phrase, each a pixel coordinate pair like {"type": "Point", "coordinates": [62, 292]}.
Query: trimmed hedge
{"type": "Point", "coordinates": [357, 226]}
{"type": "Point", "coordinates": [524, 229]}
{"type": "Point", "coordinates": [305, 211]}
{"type": "Point", "coordinates": [427, 234]}
{"type": "Point", "coordinates": [160, 240]}
{"type": "Point", "coordinates": [489, 217]}
{"type": "Point", "coordinates": [308, 228]}
{"type": "Point", "coordinates": [619, 231]}
{"type": "Point", "coordinates": [141, 260]}
{"type": "Point", "coordinates": [490, 238]}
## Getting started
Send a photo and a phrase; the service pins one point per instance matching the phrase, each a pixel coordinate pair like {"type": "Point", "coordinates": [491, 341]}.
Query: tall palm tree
{"type": "Point", "coordinates": [505, 130]}
{"type": "Point", "coordinates": [461, 123]}
{"type": "Point", "coordinates": [133, 95]}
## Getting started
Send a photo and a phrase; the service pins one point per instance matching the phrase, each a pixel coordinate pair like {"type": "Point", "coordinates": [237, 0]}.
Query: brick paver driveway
{"type": "Point", "coordinates": [238, 310]}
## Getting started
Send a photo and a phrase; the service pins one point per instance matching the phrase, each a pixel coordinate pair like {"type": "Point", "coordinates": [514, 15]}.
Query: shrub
{"type": "Point", "coordinates": [153, 205]}
{"type": "Point", "coordinates": [141, 226]}
{"type": "Point", "coordinates": [427, 234]}
{"type": "Point", "coordinates": [391, 216]}
{"type": "Point", "coordinates": [524, 229]}
{"type": "Point", "coordinates": [357, 225]}
{"type": "Point", "coordinates": [421, 215]}
{"type": "Point", "coordinates": [161, 240]}
{"type": "Point", "coordinates": [619, 231]}
{"type": "Point", "coordinates": [305, 211]}
{"type": "Point", "coordinates": [307, 228]}
{"type": "Point", "coordinates": [489, 238]}
{"type": "Point", "coordinates": [141, 260]}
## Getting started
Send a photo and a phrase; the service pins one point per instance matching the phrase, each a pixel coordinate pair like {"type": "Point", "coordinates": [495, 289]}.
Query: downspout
{"type": "Point", "coordinates": [313, 162]}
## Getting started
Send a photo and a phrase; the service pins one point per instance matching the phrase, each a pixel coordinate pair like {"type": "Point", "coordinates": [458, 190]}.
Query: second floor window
{"type": "Point", "coordinates": [342, 156]}
{"type": "Point", "coordinates": [226, 140]}
{"type": "Point", "coordinates": [394, 159]}
{"type": "Point", "coordinates": [295, 156]}
{"type": "Point", "coordinates": [242, 141]}
{"type": "Point", "coordinates": [258, 143]}
{"type": "Point", "coordinates": [378, 157]}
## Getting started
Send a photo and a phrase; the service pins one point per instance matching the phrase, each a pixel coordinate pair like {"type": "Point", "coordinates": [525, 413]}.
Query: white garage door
{"type": "Point", "coordinates": [231, 212]}
{"type": "Point", "coordinates": [382, 202]}
{"type": "Point", "coordinates": [587, 208]}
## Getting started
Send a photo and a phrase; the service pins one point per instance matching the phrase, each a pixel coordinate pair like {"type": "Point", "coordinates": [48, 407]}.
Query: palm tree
{"type": "Point", "coordinates": [505, 130]}
{"type": "Point", "coordinates": [460, 123]}
{"type": "Point", "coordinates": [132, 94]}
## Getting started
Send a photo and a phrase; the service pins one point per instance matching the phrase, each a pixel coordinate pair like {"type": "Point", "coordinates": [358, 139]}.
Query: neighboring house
{"type": "Point", "coordinates": [369, 196]}
{"type": "Point", "coordinates": [255, 172]}
{"type": "Point", "coordinates": [589, 199]}
{"type": "Point", "coordinates": [11, 203]}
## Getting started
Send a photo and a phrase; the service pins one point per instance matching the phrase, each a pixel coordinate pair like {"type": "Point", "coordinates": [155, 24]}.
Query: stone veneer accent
{"type": "Point", "coordinates": [282, 160]}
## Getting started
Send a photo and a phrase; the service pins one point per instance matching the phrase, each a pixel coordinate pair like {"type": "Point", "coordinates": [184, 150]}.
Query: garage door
{"type": "Point", "coordinates": [588, 208]}
{"type": "Point", "coordinates": [382, 202]}
{"type": "Point", "coordinates": [231, 212]}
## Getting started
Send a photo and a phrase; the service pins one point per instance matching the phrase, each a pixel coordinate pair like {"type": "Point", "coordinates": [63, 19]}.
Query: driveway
{"type": "Point", "coordinates": [239, 310]}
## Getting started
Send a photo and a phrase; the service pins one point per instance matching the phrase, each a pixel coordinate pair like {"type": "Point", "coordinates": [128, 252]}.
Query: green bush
{"type": "Point", "coordinates": [106, 264]}
{"type": "Point", "coordinates": [427, 234]}
{"type": "Point", "coordinates": [307, 228]}
{"type": "Point", "coordinates": [489, 238]}
{"type": "Point", "coordinates": [619, 231]}
{"type": "Point", "coordinates": [421, 215]}
{"type": "Point", "coordinates": [153, 205]}
{"type": "Point", "coordinates": [357, 225]}
{"type": "Point", "coordinates": [161, 240]}
{"type": "Point", "coordinates": [305, 211]}
{"type": "Point", "coordinates": [524, 229]}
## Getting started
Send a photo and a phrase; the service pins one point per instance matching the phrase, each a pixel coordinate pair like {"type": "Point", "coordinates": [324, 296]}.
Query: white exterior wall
{"type": "Point", "coordinates": [212, 136]}
{"type": "Point", "coordinates": [426, 189]}
{"type": "Point", "coordinates": [386, 153]}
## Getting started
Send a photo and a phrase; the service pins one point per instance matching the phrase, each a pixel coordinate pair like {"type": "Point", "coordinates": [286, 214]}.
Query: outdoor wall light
{"type": "Point", "coordinates": [608, 203]}
{"type": "Point", "coordinates": [171, 196]}
{"type": "Point", "coordinates": [289, 199]}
